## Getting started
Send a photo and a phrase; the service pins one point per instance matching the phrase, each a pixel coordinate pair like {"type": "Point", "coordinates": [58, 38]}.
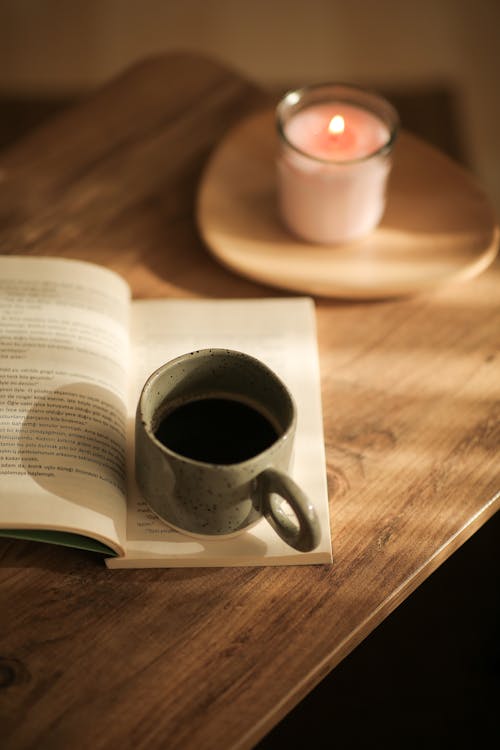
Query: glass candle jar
{"type": "Point", "coordinates": [335, 144]}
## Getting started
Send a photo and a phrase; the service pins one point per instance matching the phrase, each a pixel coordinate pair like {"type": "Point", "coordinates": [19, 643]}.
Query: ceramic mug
{"type": "Point", "coordinates": [214, 436]}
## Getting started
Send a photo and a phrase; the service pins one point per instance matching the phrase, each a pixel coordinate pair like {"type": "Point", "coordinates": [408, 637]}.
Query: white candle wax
{"type": "Point", "coordinates": [332, 170]}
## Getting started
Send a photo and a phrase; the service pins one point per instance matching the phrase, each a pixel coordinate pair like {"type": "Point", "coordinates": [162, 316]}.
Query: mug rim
{"type": "Point", "coordinates": [202, 353]}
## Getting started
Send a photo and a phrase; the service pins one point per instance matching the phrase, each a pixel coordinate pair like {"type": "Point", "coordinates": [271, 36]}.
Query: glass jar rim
{"type": "Point", "coordinates": [295, 100]}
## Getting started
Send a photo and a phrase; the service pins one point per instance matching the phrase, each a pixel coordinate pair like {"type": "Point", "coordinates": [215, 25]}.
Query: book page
{"type": "Point", "coordinates": [63, 385]}
{"type": "Point", "coordinates": [280, 332]}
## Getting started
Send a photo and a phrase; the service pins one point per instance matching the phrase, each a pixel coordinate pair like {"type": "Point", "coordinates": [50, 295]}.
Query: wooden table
{"type": "Point", "coordinates": [213, 658]}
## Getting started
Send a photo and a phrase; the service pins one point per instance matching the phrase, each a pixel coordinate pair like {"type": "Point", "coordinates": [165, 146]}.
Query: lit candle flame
{"type": "Point", "coordinates": [337, 125]}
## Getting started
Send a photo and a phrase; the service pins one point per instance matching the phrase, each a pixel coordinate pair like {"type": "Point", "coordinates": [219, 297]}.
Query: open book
{"type": "Point", "coordinates": [75, 351]}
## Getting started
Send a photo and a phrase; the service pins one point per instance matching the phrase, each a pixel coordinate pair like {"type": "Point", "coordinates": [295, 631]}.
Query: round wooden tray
{"type": "Point", "coordinates": [438, 224]}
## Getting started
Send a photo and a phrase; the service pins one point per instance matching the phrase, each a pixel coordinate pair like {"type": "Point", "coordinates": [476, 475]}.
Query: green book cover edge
{"type": "Point", "coordinates": [63, 538]}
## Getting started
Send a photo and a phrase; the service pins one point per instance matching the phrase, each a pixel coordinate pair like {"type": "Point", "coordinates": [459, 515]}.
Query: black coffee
{"type": "Point", "coordinates": [216, 430]}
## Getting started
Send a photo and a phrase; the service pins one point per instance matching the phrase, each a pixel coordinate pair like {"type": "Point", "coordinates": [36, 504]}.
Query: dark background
{"type": "Point", "coordinates": [428, 677]}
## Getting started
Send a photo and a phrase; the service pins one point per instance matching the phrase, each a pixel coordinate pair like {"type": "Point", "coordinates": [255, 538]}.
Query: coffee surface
{"type": "Point", "coordinates": [218, 430]}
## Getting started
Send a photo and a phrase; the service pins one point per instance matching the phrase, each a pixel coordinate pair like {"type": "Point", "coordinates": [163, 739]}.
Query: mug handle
{"type": "Point", "coordinates": [307, 534]}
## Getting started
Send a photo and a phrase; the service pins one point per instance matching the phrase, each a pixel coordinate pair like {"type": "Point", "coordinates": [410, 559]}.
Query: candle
{"type": "Point", "coordinates": [334, 161]}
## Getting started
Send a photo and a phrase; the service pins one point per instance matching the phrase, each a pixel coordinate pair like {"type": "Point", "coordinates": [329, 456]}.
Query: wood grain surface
{"type": "Point", "coordinates": [213, 658]}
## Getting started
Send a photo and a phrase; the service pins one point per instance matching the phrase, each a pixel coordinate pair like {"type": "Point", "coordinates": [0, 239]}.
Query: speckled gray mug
{"type": "Point", "coordinates": [213, 500]}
